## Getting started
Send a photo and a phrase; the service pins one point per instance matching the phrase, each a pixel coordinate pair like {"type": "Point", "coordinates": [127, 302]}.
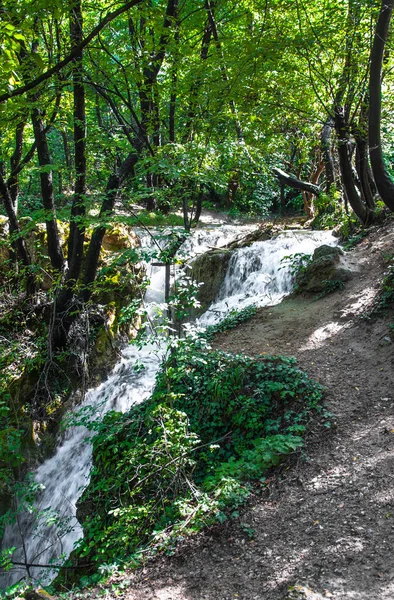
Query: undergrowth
{"type": "Point", "coordinates": [385, 299]}
{"type": "Point", "coordinates": [188, 456]}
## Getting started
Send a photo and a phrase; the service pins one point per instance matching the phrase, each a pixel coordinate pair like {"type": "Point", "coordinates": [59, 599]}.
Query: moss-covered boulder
{"type": "Point", "coordinates": [328, 265]}
{"type": "Point", "coordinates": [120, 237]}
{"type": "Point", "coordinates": [210, 269]}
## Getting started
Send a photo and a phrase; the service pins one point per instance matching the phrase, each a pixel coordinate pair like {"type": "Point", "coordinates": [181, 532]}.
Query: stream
{"type": "Point", "coordinates": [255, 276]}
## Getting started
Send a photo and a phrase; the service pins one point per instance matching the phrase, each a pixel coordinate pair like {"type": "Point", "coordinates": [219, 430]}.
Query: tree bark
{"type": "Point", "coordinates": [54, 248]}
{"type": "Point", "coordinates": [13, 180]}
{"type": "Point", "coordinates": [362, 171]}
{"type": "Point", "coordinates": [325, 138]}
{"type": "Point", "coordinates": [114, 183]}
{"type": "Point", "coordinates": [363, 213]}
{"type": "Point", "coordinates": [78, 209]}
{"type": "Point", "coordinates": [383, 181]}
{"type": "Point", "coordinates": [293, 182]}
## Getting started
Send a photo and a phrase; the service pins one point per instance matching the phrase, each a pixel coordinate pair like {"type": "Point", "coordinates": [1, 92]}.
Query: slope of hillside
{"type": "Point", "coordinates": [324, 525]}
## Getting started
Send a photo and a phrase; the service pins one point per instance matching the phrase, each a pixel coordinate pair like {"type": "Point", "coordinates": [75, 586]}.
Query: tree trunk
{"type": "Point", "coordinates": [361, 210]}
{"type": "Point", "coordinates": [296, 184]}
{"type": "Point", "coordinates": [382, 178]}
{"type": "Point", "coordinates": [308, 196]}
{"type": "Point", "coordinates": [13, 180]}
{"type": "Point", "coordinates": [77, 226]}
{"type": "Point", "coordinates": [325, 138]}
{"type": "Point", "coordinates": [78, 210]}
{"type": "Point", "coordinates": [54, 247]}
{"type": "Point", "coordinates": [114, 183]}
{"type": "Point", "coordinates": [66, 150]}
{"type": "Point", "coordinates": [18, 243]}
{"type": "Point", "coordinates": [362, 171]}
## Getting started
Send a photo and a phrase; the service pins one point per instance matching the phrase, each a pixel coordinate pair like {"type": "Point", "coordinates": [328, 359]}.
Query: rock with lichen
{"type": "Point", "coordinates": [328, 265]}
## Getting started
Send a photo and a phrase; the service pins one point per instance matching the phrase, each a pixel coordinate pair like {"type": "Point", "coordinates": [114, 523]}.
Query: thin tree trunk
{"type": "Point", "coordinates": [114, 183]}
{"type": "Point", "coordinates": [13, 180]}
{"type": "Point", "coordinates": [325, 138]}
{"type": "Point", "coordinates": [362, 171]}
{"type": "Point", "coordinates": [210, 6]}
{"type": "Point", "coordinates": [361, 210]}
{"type": "Point", "coordinates": [48, 200]}
{"type": "Point", "coordinates": [66, 149]}
{"type": "Point", "coordinates": [77, 226]}
{"type": "Point", "coordinates": [382, 178]}
{"type": "Point", "coordinates": [78, 209]}
{"type": "Point", "coordinates": [18, 242]}
{"type": "Point", "coordinates": [293, 182]}
{"type": "Point", "coordinates": [173, 98]}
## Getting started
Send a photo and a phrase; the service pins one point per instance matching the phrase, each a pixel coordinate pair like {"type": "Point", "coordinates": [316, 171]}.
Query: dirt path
{"type": "Point", "coordinates": [325, 524]}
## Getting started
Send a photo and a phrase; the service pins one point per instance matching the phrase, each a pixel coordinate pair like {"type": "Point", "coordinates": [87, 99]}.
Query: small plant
{"type": "Point", "coordinates": [354, 240]}
{"type": "Point", "coordinates": [385, 301]}
{"type": "Point", "coordinates": [297, 263]}
{"type": "Point", "coordinates": [232, 319]}
{"type": "Point", "coordinates": [330, 286]}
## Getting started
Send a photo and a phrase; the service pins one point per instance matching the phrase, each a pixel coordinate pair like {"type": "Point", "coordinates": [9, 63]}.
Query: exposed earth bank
{"type": "Point", "coordinates": [324, 525]}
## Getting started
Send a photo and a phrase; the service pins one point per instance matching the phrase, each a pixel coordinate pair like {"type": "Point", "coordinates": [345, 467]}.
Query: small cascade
{"type": "Point", "coordinates": [257, 275]}
{"type": "Point", "coordinates": [254, 276]}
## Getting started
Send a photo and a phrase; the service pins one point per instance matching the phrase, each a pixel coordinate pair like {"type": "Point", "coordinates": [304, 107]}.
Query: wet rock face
{"type": "Point", "coordinates": [328, 265]}
{"type": "Point", "coordinates": [210, 268]}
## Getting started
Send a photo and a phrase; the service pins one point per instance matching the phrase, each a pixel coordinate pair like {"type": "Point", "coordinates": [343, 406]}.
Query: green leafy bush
{"type": "Point", "coordinates": [214, 423]}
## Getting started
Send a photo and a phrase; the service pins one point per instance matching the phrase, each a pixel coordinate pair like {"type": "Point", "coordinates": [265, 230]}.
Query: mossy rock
{"type": "Point", "coordinates": [120, 237]}
{"type": "Point", "coordinates": [210, 269]}
{"type": "Point", "coordinates": [327, 265]}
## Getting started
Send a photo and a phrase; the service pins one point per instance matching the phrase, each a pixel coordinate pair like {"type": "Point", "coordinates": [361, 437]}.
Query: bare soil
{"type": "Point", "coordinates": [324, 525]}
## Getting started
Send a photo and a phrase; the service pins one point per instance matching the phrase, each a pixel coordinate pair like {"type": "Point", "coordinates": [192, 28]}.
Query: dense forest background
{"type": "Point", "coordinates": [144, 113]}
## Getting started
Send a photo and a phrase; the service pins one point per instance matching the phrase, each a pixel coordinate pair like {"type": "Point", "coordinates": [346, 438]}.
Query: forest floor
{"type": "Point", "coordinates": [325, 522]}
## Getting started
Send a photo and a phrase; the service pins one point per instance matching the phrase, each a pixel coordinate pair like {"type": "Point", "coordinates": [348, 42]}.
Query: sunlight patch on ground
{"type": "Point", "coordinates": [384, 497]}
{"type": "Point", "coordinates": [361, 303]}
{"type": "Point", "coordinates": [320, 335]}
{"type": "Point", "coordinates": [329, 480]}
{"type": "Point", "coordinates": [327, 331]}
{"type": "Point", "coordinates": [348, 544]}
{"type": "Point", "coordinates": [171, 592]}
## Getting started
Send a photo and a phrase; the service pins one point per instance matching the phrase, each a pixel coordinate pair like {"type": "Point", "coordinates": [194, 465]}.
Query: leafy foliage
{"type": "Point", "coordinates": [214, 423]}
{"type": "Point", "coordinates": [385, 299]}
{"type": "Point", "coordinates": [297, 263]}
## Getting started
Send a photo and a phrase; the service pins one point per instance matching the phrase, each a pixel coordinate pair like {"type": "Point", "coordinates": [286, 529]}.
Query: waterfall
{"type": "Point", "coordinates": [254, 276]}
{"type": "Point", "coordinates": [257, 275]}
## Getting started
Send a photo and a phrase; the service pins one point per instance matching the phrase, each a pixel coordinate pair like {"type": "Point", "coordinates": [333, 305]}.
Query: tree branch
{"type": "Point", "coordinates": [73, 54]}
{"type": "Point", "coordinates": [295, 183]}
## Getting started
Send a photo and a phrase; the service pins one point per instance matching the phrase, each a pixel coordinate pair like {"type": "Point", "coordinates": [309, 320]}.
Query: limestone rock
{"type": "Point", "coordinates": [120, 237]}
{"type": "Point", "coordinates": [261, 234]}
{"type": "Point", "coordinates": [328, 264]}
{"type": "Point", "coordinates": [210, 269]}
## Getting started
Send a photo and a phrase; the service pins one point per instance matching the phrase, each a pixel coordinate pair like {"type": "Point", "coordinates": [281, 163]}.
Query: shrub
{"type": "Point", "coordinates": [214, 424]}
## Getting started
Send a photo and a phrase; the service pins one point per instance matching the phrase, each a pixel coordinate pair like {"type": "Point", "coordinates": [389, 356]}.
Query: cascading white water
{"type": "Point", "coordinates": [254, 276]}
